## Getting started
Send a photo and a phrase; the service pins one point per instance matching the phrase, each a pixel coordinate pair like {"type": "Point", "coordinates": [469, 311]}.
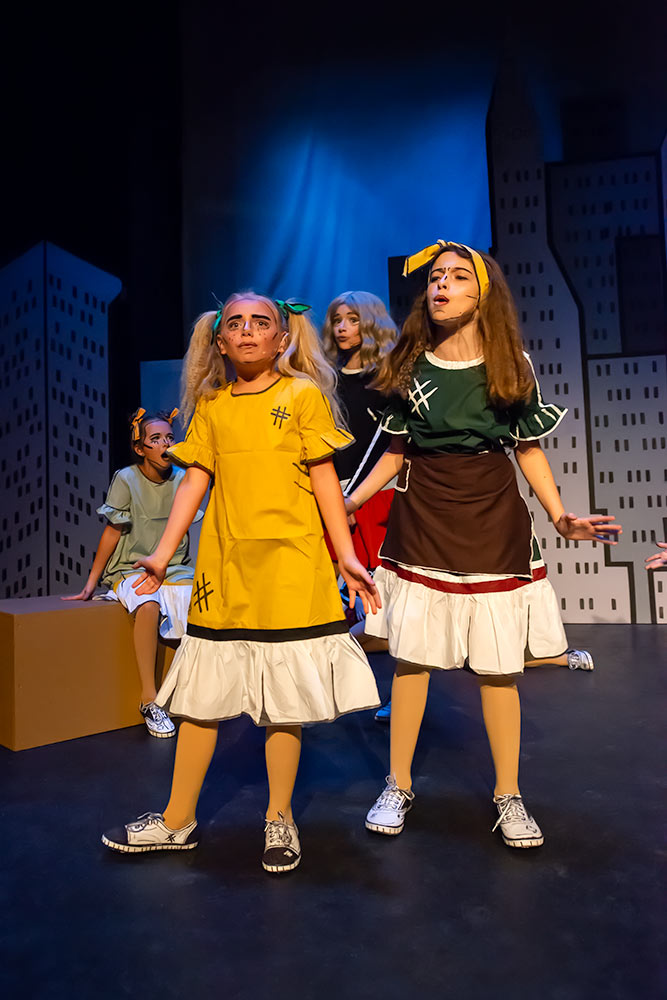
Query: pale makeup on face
{"type": "Point", "coordinates": [249, 333]}
{"type": "Point", "coordinates": [452, 293]}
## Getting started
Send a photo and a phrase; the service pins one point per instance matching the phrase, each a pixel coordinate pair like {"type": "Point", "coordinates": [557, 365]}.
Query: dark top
{"type": "Point", "coordinates": [362, 408]}
{"type": "Point", "coordinates": [447, 410]}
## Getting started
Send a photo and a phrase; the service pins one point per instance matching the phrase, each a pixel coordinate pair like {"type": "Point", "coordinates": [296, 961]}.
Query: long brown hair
{"type": "Point", "coordinates": [378, 331]}
{"type": "Point", "coordinates": [204, 369]}
{"type": "Point", "coordinates": [509, 379]}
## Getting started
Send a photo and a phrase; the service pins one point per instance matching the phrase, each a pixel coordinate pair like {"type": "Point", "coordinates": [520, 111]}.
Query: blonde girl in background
{"type": "Point", "coordinates": [266, 633]}
{"type": "Point", "coordinates": [357, 335]}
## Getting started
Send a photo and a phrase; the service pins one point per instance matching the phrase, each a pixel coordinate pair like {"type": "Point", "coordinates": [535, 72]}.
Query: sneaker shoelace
{"type": "Point", "coordinates": [512, 809]}
{"type": "Point", "coordinates": [146, 819]}
{"type": "Point", "coordinates": [278, 833]}
{"type": "Point", "coordinates": [394, 797]}
{"type": "Point", "coordinates": [157, 714]}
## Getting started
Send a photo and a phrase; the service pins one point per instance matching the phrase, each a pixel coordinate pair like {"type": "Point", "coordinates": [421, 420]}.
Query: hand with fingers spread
{"type": "Point", "coordinates": [153, 577]}
{"type": "Point", "coordinates": [658, 559]}
{"type": "Point", "coordinates": [359, 582]}
{"type": "Point", "coordinates": [592, 528]}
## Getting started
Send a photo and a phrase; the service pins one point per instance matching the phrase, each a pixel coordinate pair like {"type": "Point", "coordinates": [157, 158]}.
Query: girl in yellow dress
{"type": "Point", "coordinates": [266, 633]}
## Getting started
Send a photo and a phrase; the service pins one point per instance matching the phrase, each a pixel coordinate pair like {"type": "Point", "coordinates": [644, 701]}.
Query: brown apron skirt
{"type": "Point", "coordinates": [460, 514]}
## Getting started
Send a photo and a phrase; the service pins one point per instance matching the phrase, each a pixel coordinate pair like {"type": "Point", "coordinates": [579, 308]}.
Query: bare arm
{"type": "Point", "coordinates": [593, 527]}
{"type": "Point", "coordinates": [106, 548]}
{"type": "Point", "coordinates": [329, 498]}
{"type": "Point", "coordinates": [384, 470]}
{"type": "Point", "coordinates": [186, 504]}
{"type": "Point", "coordinates": [536, 469]}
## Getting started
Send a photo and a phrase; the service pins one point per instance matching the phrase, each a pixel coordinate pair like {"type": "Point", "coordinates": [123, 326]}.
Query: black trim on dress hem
{"type": "Point", "coordinates": [267, 634]}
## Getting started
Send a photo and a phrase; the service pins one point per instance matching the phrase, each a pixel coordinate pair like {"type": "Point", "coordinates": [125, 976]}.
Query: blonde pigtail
{"type": "Point", "coordinates": [203, 367]}
{"type": "Point", "coordinates": [304, 357]}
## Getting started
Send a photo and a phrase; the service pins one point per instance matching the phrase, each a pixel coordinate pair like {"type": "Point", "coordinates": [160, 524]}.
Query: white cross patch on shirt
{"type": "Point", "coordinates": [417, 396]}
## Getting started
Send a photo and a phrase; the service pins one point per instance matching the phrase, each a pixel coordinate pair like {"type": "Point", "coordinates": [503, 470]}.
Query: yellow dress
{"type": "Point", "coordinates": [266, 632]}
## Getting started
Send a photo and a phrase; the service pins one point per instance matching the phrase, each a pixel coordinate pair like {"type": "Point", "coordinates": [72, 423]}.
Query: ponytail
{"type": "Point", "coordinates": [305, 358]}
{"type": "Point", "coordinates": [204, 369]}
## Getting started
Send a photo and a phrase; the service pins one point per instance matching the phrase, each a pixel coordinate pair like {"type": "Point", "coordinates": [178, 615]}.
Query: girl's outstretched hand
{"type": "Point", "coordinates": [359, 582]}
{"type": "Point", "coordinates": [153, 577]}
{"type": "Point", "coordinates": [85, 594]}
{"type": "Point", "coordinates": [658, 559]}
{"type": "Point", "coordinates": [592, 528]}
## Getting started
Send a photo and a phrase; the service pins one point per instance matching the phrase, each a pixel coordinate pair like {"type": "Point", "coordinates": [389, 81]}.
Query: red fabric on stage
{"type": "Point", "coordinates": [369, 531]}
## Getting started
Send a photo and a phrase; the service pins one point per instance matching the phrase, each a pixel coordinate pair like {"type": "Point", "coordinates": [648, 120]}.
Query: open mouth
{"type": "Point", "coordinates": [441, 300]}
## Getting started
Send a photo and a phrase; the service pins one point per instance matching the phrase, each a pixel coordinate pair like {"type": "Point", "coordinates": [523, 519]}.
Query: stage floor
{"type": "Point", "coordinates": [444, 910]}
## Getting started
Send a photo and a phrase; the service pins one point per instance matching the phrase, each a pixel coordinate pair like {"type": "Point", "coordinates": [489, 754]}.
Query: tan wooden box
{"type": "Point", "coordinates": [67, 669]}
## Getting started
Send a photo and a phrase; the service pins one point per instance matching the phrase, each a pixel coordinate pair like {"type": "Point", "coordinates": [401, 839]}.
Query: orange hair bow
{"type": "Point", "coordinates": [136, 421]}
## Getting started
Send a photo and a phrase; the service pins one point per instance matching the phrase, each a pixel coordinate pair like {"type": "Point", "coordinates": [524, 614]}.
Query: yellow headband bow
{"type": "Point", "coordinates": [417, 260]}
{"type": "Point", "coordinates": [136, 420]}
{"type": "Point", "coordinates": [140, 414]}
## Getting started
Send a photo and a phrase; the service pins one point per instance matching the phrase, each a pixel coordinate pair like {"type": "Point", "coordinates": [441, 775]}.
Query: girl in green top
{"type": "Point", "coordinates": [457, 562]}
{"type": "Point", "coordinates": [136, 509]}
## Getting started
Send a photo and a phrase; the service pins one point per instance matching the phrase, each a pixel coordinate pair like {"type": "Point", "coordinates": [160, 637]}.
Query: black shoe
{"type": "Point", "coordinates": [282, 851]}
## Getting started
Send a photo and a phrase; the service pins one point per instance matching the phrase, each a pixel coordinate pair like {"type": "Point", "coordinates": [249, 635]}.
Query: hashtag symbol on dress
{"type": "Point", "coordinates": [417, 396]}
{"type": "Point", "coordinates": [279, 413]}
{"type": "Point", "coordinates": [202, 593]}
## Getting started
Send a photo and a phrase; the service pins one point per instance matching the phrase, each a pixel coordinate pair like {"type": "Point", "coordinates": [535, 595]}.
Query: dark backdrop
{"type": "Point", "coordinates": [133, 139]}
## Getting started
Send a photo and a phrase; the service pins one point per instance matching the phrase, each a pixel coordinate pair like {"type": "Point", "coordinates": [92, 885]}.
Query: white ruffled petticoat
{"type": "Point", "coordinates": [275, 683]}
{"type": "Point", "coordinates": [441, 628]}
{"type": "Point", "coordinates": [173, 598]}
{"type": "Point", "coordinates": [546, 635]}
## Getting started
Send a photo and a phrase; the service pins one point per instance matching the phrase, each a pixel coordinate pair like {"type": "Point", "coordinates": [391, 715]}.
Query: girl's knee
{"type": "Point", "coordinates": [404, 669]}
{"type": "Point", "coordinates": [287, 730]}
{"type": "Point", "coordinates": [147, 608]}
{"type": "Point", "coordinates": [497, 681]}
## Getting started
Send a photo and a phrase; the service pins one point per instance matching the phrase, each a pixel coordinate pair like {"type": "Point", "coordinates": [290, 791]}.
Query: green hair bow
{"type": "Point", "coordinates": [296, 308]}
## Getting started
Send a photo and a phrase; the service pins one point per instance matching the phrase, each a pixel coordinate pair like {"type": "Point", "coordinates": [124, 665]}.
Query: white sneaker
{"type": "Point", "coordinates": [149, 832]}
{"type": "Point", "coordinates": [517, 826]}
{"type": "Point", "coordinates": [282, 850]}
{"type": "Point", "coordinates": [387, 815]}
{"type": "Point", "coordinates": [580, 659]}
{"type": "Point", "coordinates": [157, 721]}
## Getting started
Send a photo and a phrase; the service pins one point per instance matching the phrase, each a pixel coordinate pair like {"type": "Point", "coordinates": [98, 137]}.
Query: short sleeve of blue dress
{"type": "Point", "coordinates": [116, 507]}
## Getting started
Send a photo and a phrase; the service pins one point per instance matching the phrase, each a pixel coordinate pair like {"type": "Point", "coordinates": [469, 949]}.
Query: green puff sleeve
{"type": "Point", "coordinates": [116, 507]}
{"type": "Point", "coordinates": [320, 436]}
{"type": "Point", "coordinates": [395, 416]}
{"type": "Point", "coordinates": [197, 449]}
{"type": "Point", "coordinates": [535, 419]}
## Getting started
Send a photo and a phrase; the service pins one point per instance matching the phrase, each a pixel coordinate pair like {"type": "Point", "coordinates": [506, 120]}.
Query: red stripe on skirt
{"type": "Point", "coordinates": [487, 587]}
